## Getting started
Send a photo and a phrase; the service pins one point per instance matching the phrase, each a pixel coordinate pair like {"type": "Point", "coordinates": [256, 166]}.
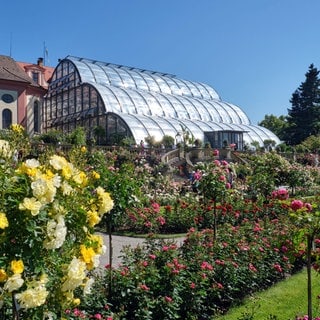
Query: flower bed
{"type": "Point", "coordinates": [242, 235]}
{"type": "Point", "coordinates": [204, 276]}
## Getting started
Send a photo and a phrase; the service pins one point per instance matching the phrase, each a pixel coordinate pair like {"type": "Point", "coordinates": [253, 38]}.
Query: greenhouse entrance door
{"type": "Point", "coordinates": [223, 139]}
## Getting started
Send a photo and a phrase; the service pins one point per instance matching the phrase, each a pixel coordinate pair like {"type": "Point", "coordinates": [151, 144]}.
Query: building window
{"type": "Point", "coordinates": [35, 77]}
{"type": "Point", "coordinates": [7, 98]}
{"type": "Point", "coordinates": [36, 115]}
{"type": "Point", "coordinates": [6, 118]}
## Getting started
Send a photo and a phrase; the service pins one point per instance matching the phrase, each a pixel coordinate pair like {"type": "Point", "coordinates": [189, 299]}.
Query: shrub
{"type": "Point", "coordinates": [48, 247]}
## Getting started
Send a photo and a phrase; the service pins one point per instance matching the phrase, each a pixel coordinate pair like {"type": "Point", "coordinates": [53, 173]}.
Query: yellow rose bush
{"type": "Point", "coordinates": [48, 248]}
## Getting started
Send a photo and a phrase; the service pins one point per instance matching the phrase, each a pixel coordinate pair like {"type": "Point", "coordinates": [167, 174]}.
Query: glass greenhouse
{"type": "Point", "coordinates": [117, 101]}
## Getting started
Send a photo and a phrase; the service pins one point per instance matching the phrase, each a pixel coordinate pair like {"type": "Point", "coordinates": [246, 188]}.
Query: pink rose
{"type": "Point", "coordinates": [296, 205]}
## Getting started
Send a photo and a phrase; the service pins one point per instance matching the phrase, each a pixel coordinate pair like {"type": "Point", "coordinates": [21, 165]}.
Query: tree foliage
{"type": "Point", "coordinates": [304, 115]}
{"type": "Point", "coordinates": [77, 136]}
{"type": "Point", "coordinates": [167, 141]}
{"type": "Point", "coordinates": [275, 124]}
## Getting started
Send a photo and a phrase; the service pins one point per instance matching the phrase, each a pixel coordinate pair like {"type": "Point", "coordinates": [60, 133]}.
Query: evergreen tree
{"type": "Point", "coordinates": [304, 116]}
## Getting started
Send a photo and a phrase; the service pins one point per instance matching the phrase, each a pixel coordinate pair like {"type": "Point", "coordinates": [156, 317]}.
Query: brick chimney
{"type": "Point", "coordinates": [40, 62]}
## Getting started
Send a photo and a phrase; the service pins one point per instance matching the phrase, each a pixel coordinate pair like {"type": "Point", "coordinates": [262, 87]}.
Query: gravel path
{"type": "Point", "coordinates": [118, 242]}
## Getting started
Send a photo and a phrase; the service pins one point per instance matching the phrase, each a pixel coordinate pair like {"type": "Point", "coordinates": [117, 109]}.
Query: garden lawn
{"type": "Point", "coordinates": [284, 300]}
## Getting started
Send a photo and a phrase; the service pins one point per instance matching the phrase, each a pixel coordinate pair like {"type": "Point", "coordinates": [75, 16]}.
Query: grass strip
{"type": "Point", "coordinates": [283, 301]}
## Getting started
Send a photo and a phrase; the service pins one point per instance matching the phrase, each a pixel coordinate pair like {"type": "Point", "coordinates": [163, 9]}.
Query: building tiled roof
{"type": "Point", "coordinates": [10, 71]}
{"type": "Point", "coordinates": [48, 71]}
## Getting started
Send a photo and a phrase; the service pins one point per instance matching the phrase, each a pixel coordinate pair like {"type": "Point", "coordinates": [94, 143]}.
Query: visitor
{"type": "Point", "coordinates": [230, 177]}
{"type": "Point", "coordinates": [142, 147]}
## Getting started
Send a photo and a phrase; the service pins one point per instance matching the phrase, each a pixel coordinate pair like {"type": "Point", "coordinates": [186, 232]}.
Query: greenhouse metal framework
{"type": "Point", "coordinates": [120, 101]}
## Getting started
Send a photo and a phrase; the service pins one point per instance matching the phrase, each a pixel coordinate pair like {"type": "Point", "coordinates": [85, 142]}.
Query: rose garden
{"type": "Point", "coordinates": [246, 224]}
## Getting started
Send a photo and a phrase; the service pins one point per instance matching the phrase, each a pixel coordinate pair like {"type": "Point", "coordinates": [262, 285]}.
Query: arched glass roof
{"type": "Point", "coordinates": [155, 104]}
{"type": "Point", "coordinates": [118, 75]}
{"type": "Point", "coordinates": [146, 92]}
{"type": "Point", "coordinates": [143, 126]}
{"type": "Point", "coordinates": [160, 104]}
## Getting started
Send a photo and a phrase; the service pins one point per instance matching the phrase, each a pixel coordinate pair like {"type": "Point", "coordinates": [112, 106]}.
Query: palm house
{"type": "Point", "coordinates": [119, 101]}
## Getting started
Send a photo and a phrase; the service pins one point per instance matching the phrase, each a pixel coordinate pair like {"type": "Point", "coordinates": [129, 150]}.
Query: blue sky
{"type": "Point", "coordinates": [255, 53]}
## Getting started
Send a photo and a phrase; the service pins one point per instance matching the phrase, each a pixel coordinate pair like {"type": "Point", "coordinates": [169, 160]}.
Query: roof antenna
{"type": "Point", "coordinates": [45, 53]}
{"type": "Point", "coordinates": [10, 44]}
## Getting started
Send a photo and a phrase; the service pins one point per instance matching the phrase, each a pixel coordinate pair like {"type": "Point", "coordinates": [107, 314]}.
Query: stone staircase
{"type": "Point", "coordinates": [178, 157]}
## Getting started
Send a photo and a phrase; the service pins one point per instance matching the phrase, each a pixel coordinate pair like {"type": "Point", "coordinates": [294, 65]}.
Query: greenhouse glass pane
{"type": "Point", "coordinates": [192, 127]}
{"type": "Point", "coordinates": [265, 134]}
{"type": "Point", "coordinates": [162, 84]}
{"type": "Point", "coordinates": [140, 103]}
{"type": "Point", "coordinates": [124, 100]}
{"type": "Point", "coordinates": [114, 78]}
{"type": "Point", "coordinates": [154, 106]}
{"type": "Point", "coordinates": [85, 99]}
{"type": "Point", "coordinates": [110, 101]}
{"type": "Point", "coordinates": [167, 106]}
{"type": "Point", "coordinates": [192, 111]}
{"type": "Point", "coordinates": [136, 126]}
{"type": "Point", "coordinates": [176, 125]}
{"type": "Point", "coordinates": [227, 126]}
{"type": "Point", "coordinates": [137, 99]}
{"type": "Point", "coordinates": [166, 127]}
{"type": "Point", "coordinates": [242, 117]}
{"type": "Point", "coordinates": [183, 88]}
{"type": "Point", "coordinates": [126, 103]}
{"type": "Point", "coordinates": [238, 127]}
{"type": "Point", "coordinates": [254, 136]}
{"type": "Point", "coordinates": [203, 112]}
{"type": "Point", "coordinates": [99, 74]}
{"type": "Point", "coordinates": [215, 105]}
{"type": "Point", "coordinates": [153, 129]}
{"type": "Point", "coordinates": [204, 92]}
{"type": "Point", "coordinates": [193, 89]}
{"type": "Point", "coordinates": [247, 138]}
{"type": "Point", "coordinates": [153, 86]}
{"type": "Point", "coordinates": [228, 115]}
{"type": "Point", "coordinates": [209, 92]}
{"type": "Point", "coordinates": [108, 97]}
{"type": "Point", "coordinates": [213, 126]}
{"type": "Point", "coordinates": [139, 132]}
{"type": "Point", "coordinates": [214, 113]}
{"type": "Point", "coordinates": [126, 79]}
{"type": "Point", "coordinates": [173, 86]}
{"type": "Point", "coordinates": [111, 124]}
{"type": "Point", "coordinates": [139, 80]}
{"type": "Point", "coordinates": [180, 109]}
{"type": "Point", "coordinates": [203, 125]}
{"type": "Point", "coordinates": [85, 73]}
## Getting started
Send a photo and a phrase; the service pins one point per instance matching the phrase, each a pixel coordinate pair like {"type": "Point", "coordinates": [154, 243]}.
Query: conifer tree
{"type": "Point", "coordinates": [304, 116]}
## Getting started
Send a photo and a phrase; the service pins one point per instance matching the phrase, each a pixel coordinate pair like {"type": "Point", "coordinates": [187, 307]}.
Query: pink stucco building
{"type": "Point", "coordinates": [22, 88]}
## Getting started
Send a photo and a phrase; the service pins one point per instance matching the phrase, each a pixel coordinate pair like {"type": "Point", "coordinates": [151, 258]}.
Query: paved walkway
{"type": "Point", "coordinates": [118, 242]}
